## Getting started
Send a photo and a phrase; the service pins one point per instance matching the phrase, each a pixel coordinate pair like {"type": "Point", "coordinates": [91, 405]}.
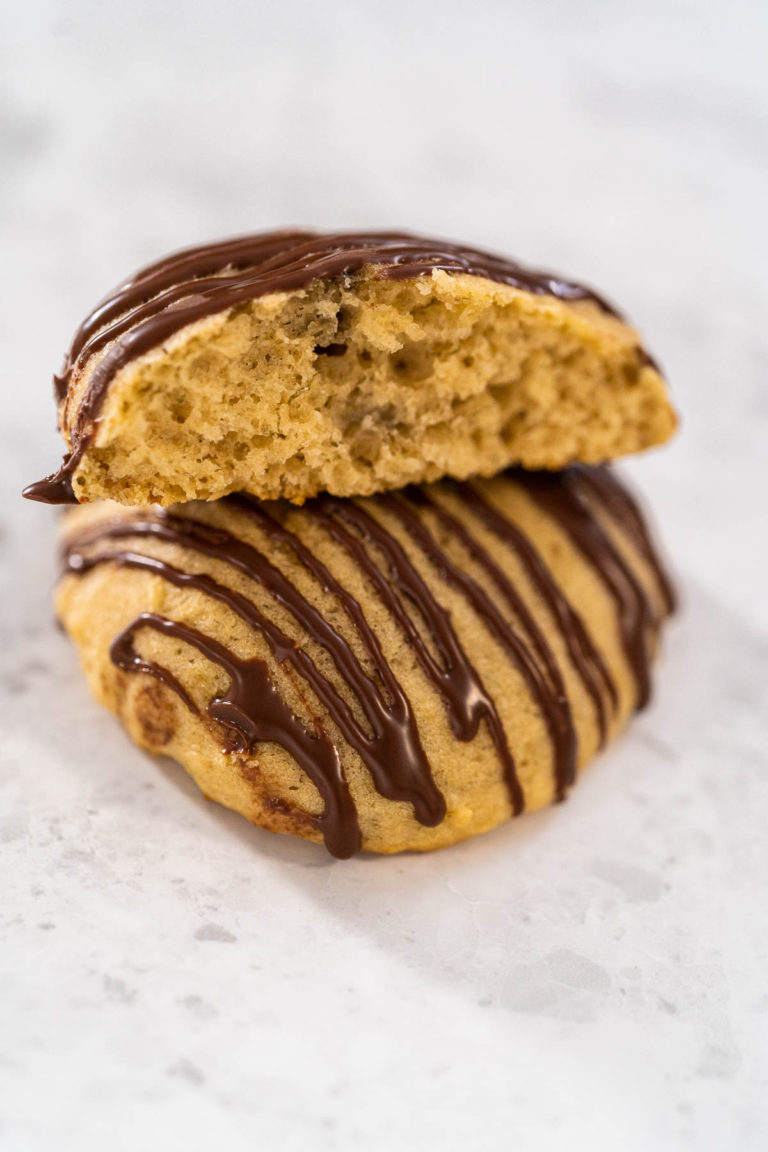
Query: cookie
{"type": "Point", "coordinates": [387, 673]}
{"type": "Point", "coordinates": [293, 363]}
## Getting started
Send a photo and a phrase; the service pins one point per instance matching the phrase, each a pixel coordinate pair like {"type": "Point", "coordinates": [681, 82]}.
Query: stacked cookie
{"type": "Point", "coordinates": [347, 546]}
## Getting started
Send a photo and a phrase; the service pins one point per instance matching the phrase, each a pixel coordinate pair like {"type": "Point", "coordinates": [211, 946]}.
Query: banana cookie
{"type": "Point", "coordinates": [292, 363]}
{"type": "Point", "coordinates": [394, 672]}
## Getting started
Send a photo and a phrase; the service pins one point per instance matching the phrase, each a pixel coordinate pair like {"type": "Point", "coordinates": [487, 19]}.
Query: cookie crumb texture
{"type": "Point", "coordinates": [362, 384]}
{"type": "Point", "coordinates": [397, 672]}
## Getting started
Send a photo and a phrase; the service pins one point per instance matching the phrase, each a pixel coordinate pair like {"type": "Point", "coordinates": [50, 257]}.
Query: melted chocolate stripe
{"type": "Point", "coordinates": [455, 677]}
{"type": "Point", "coordinates": [619, 503]}
{"type": "Point", "coordinates": [188, 286]}
{"type": "Point", "coordinates": [393, 755]}
{"type": "Point", "coordinates": [123, 654]}
{"type": "Point", "coordinates": [140, 296]}
{"type": "Point", "coordinates": [544, 680]}
{"type": "Point", "coordinates": [559, 496]}
{"type": "Point", "coordinates": [177, 269]}
{"type": "Point", "coordinates": [251, 706]}
{"type": "Point", "coordinates": [586, 659]}
{"type": "Point", "coordinates": [323, 509]}
{"type": "Point", "coordinates": [393, 721]}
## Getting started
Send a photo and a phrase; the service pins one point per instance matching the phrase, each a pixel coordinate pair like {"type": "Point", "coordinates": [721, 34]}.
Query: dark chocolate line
{"type": "Point", "coordinates": [241, 707]}
{"type": "Point", "coordinates": [453, 675]}
{"type": "Point", "coordinates": [620, 504]}
{"type": "Point", "coordinates": [390, 719]}
{"type": "Point", "coordinates": [559, 496]}
{"type": "Point", "coordinates": [544, 680]}
{"type": "Point", "coordinates": [254, 707]}
{"type": "Point", "coordinates": [585, 657]}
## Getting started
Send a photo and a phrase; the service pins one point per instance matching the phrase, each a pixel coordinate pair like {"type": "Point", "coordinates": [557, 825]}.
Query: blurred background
{"type": "Point", "coordinates": [623, 143]}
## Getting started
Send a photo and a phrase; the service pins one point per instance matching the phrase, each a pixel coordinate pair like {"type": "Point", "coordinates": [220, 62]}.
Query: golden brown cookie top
{"type": "Point", "coordinates": [389, 540]}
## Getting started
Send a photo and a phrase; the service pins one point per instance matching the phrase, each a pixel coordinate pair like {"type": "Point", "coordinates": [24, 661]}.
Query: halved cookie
{"type": "Point", "coordinates": [292, 363]}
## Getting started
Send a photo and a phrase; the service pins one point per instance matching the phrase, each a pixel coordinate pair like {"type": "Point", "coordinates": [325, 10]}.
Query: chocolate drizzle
{"type": "Point", "coordinates": [560, 495]}
{"type": "Point", "coordinates": [452, 674]}
{"type": "Point", "coordinates": [543, 675]}
{"type": "Point", "coordinates": [255, 709]}
{"type": "Point", "coordinates": [586, 658]}
{"type": "Point", "coordinates": [165, 297]}
{"type": "Point", "coordinates": [603, 486]}
{"type": "Point", "coordinates": [393, 754]}
{"type": "Point", "coordinates": [379, 723]}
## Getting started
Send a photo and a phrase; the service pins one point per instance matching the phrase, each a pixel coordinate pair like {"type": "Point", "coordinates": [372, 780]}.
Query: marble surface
{"type": "Point", "coordinates": [591, 977]}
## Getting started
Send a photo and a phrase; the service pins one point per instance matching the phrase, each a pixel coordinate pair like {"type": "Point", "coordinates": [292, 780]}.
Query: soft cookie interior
{"type": "Point", "coordinates": [360, 384]}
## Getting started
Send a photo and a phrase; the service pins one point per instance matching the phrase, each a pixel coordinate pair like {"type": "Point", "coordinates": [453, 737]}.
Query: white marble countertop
{"type": "Point", "coordinates": [587, 978]}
